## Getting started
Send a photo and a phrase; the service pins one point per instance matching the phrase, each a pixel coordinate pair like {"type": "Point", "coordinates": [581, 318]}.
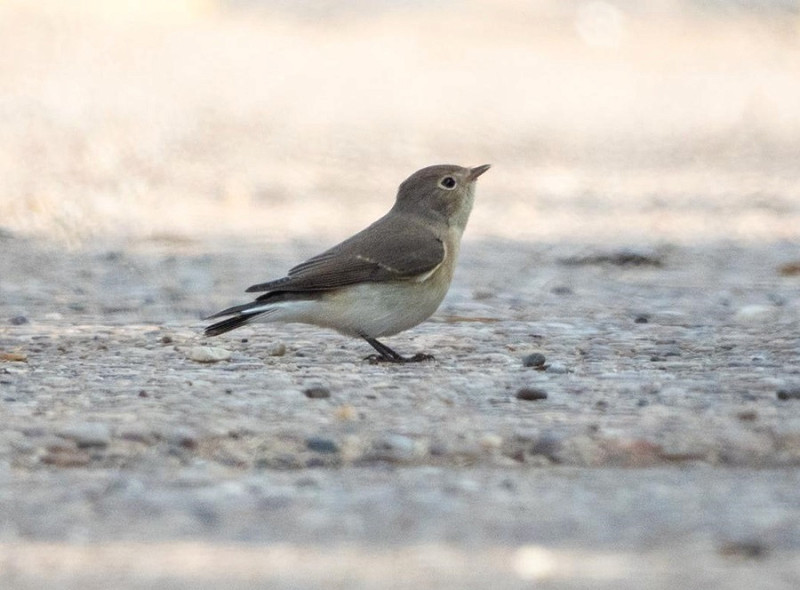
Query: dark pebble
{"type": "Point", "coordinates": [641, 319]}
{"type": "Point", "coordinates": [206, 514]}
{"type": "Point", "coordinates": [166, 339]}
{"type": "Point", "coordinates": [531, 394]}
{"type": "Point", "coordinates": [317, 392]}
{"type": "Point", "coordinates": [624, 258]}
{"type": "Point", "coordinates": [547, 445]}
{"type": "Point", "coordinates": [535, 359]}
{"type": "Point", "coordinates": [744, 549]}
{"type": "Point", "coordinates": [789, 393]}
{"type": "Point", "coordinates": [18, 320]}
{"type": "Point", "coordinates": [320, 444]}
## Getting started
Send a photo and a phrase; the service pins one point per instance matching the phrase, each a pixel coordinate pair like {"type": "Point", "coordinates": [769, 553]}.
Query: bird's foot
{"type": "Point", "coordinates": [387, 355]}
{"type": "Point", "coordinates": [376, 359]}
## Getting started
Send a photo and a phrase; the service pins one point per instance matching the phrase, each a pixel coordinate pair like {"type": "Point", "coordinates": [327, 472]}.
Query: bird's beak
{"type": "Point", "coordinates": [477, 171]}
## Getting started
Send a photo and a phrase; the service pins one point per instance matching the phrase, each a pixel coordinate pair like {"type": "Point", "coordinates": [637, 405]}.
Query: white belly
{"type": "Point", "coordinates": [368, 309]}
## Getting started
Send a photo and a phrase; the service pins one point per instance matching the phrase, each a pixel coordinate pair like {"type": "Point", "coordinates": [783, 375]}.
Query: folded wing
{"type": "Point", "coordinates": [393, 248]}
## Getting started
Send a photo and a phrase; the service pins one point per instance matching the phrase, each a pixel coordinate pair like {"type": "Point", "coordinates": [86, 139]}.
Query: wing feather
{"type": "Point", "coordinates": [396, 247]}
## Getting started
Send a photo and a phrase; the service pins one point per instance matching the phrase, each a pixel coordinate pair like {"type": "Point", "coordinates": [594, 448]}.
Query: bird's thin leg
{"type": "Point", "coordinates": [390, 356]}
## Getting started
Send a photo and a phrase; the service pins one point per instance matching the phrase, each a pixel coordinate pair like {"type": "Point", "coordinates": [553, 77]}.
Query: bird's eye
{"type": "Point", "coordinates": [448, 182]}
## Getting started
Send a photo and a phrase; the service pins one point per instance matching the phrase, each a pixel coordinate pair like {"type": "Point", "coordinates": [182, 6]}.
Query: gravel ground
{"type": "Point", "coordinates": [666, 449]}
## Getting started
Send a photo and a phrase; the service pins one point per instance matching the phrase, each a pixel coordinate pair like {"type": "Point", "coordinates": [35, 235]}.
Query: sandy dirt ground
{"type": "Point", "coordinates": [615, 400]}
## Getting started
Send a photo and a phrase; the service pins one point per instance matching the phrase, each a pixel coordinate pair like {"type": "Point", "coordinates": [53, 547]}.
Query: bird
{"type": "Point", "coordinates": [385, 279]}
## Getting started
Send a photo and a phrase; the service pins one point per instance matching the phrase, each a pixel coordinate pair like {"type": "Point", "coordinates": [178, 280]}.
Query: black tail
{"type": "Point", "coordinates": [229, 324]}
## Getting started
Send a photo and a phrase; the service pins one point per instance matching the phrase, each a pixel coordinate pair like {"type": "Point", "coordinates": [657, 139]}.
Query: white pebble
{"type": "Point", "coordinates": [209, 354]}
{"type": "Point", "coordinates": [87, 434]}
{"type": "Point", "coordinates": [755, 314]}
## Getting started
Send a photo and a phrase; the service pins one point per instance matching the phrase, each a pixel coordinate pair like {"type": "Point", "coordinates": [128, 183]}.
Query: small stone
{"type": "Point", "coordinates": [491, 441]}
{"type": "Point", "coordinates": [209, 354]}
{"type": "Point", "coordinates": [88, 434]}
{"type": "Point", "coordinates": [787, 393]}
{"type": "Point", "coordinates": [320, 444]}
{"type": "Point", "coordinates": [18, 320]}
{"type": "Point", "coordinates": [547, 445]}
{"type": "Point", "coordinates": [790, 269]}
{"type": "Point", "coordinates": [66, 458]}
{"type": "Point", "coordinates": [139, 433]}
{"type": "Point", "coordinates": [531, 394]}
{"type": "Point", "coordinates": [641, 319]}
{"type": "Point", "coordinates": [557, 368]}
{"type": "Point", "coordinates": [756, 314]}
{"type": "Point", "coordinates": [55, 444]}
{"type": "Point", "coordinates": [394, 447]}
{"type": "Point", "coordinates": [746, 549]}
{"type": "Point", "coordinates": [317, 392]}
{"type": "Point", "coordinates": [166, 339]}
{"type": "Point", "coordinates": [535, 359]}
{"type": "Point", "coordinates": [33, 431]}
{"type": "Point", "coordinates": [278, 349]}
{"type": "Point", "coordinates": [181, 437]}
{"type": "Point", "coordinates": [345, 412]}
{"type": "Point", "coordinates": [16, 357]}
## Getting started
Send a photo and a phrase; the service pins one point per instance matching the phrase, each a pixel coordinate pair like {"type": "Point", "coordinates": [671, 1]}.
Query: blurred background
{"type": "Point", "coordinates": [190, 121]}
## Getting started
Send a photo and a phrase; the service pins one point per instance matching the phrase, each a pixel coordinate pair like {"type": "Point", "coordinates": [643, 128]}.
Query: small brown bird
{"type": "Point", "coordinates": [385, 279]}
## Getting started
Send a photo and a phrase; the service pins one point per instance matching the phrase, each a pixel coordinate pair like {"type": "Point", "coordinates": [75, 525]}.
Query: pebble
{"type": "Point", "coordinates": [320, 444]}
{"type": "Point", "coordinates": [136, 433]}
{"type": "Point", "coordinates": [535, 359]}
{"type": "Point", "coordinates": [18, 320]}
{"type": "Point", "coordinates": [756, 314]}
{"type": "Point", "coordinates": [547, 445]}
{"type": "Point", "coordinates": [557, 368]}
{"type": "Point", "coordinates": [208, 354]}
{"type": "Point", "coordinates": [88, 434]}
{"type": "Point", "coordinates": [317, 392]}
{"type": "Point", "coordinates": [394, 447]}
{"type": "Point", "coordinates": [14, 356]}
{"type": "Point", "coordinates": [561, 290]}
{"type": "Point", "coordinates": [277, 349]}
{"type": "Point", "coordinates": [345, 412]}
{"type": "Point", "coordinates": [531, 394]}
{"type": "Point", "coordinates": [56, 443]}
{"type": "Point", "coordinates": [66, 458]}
{"type": "Point", "coordinates": [786, 393]}
{"type": "Point", "coordinates": [181, 437]}
{"type": "Point", "coordinates": [491, 441]}
{"type": "Point", "coordinates": [745, 549]}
